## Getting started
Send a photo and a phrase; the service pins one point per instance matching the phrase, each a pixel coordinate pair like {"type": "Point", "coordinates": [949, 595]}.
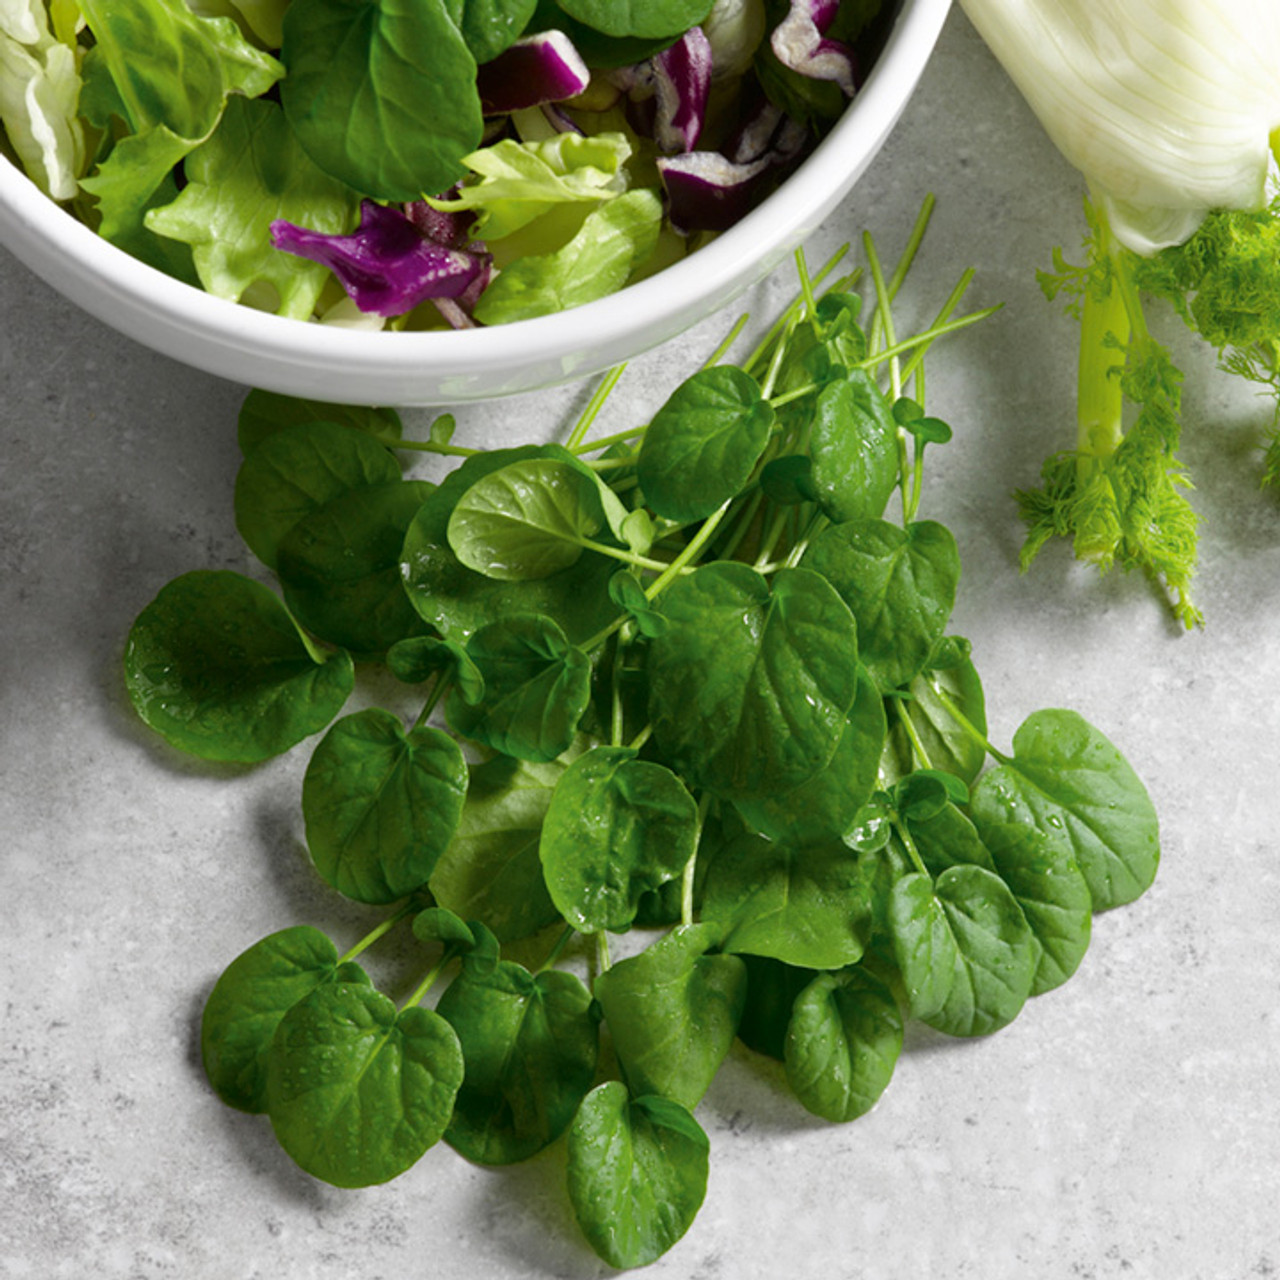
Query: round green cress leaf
{"type": "Point", "coordinates": [637, 1173]}
{"type": "Point", "coordinates": [616, 828]}
{"type": "Point", "coordinates": [530, 1044]}
{"type": "Point", "coordinates": [293, 472]}
{"type": "Point", "coordinates": [357, 1092]}
{"type": "Point", "coordinates": [842, 1044]}
{"type": "Point", "coordinates": [246, 1004]}
{"type": "Point", "coordinates": [217, 667]}
{"type": "Point", "coordinates": [381, 805]}
{"type": "Point", "coordinates": [752, 683]}
{"type": "Point", "coordinates": [704, 443]}
{"type": "Point", "coordinates": [340, 567]}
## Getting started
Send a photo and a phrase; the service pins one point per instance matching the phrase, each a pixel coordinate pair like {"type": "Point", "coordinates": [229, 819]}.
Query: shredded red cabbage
{"type": "Point", "coordinates": [536, 69]}
{"type": "Point", "coordinates": [391, 263]}
{"type": "Point", "coordinates": [800, 42]}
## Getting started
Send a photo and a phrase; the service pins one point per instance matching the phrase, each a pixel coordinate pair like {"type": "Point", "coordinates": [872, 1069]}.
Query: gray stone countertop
{"type": "Point", "coordinates": [1127, 1124]}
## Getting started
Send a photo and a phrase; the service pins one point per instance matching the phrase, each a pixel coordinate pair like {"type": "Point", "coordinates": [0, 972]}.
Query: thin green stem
{"type": "Point", "coordinates": [558, 949]}
{"type": "Point", "coordinates": [691, 867]}
{"type": "Point", "coordinates": [602, 952]}
{"type": "Point", "coordinates": [727, 341]}
{"type": "Point", "coordinates": [909, 844]}
{"type": "Point", "coordinates": [430, 980]}
{"type": "Point", "coordinates": [437, 692]}
{"type": "Point", "coordinates": [953, 710]}
{"type": "Point", "coordinates": [433, 446]}
{"type": "Point", "coordinates": [690, 553]}
{"type": "Point", "coordinates": [589, 646]}
{"type": "Point", "coordinates": [772, 536]}
{"type": "Point", "coordinates": [627, 557]}
{"type": "Point", "coordinates": [913, 245]}
{"type": "Point", "coordinates": [379, 931]}
{"type": "Point", "coordinates": [594, 405]}
{"type": "Point", "coordinates": [913, 734]}
{"type": "Point", "coordinates": [746, 514]}
{"type": "Point", "coordinates": [641, 738]}
{"type": "Point", "coordinates": [775, 362]}
{"type": "Point", "coordinates": [786, 317]}
{"type": "Point", "coordinates": [616, 719]}
{"type": "Point", "coordinates": [618, 437]}
{"type": "Point", "coordinates": [806, 285]}
{"type": "Point", "coordinates": [884, 314]}
{"type": "Point", "coordinates": [915, 365]}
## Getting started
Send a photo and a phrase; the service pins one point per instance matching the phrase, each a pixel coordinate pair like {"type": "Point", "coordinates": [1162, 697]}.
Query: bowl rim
{"type": "Point", "coordinates": [133, 297]}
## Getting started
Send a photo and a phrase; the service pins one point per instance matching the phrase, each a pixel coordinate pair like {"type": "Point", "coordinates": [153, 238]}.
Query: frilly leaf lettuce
{"type": "Point", "coordinates": [135, 178]}
{"type": "Point", "coordinates": [614, 243]}
{"type": "Point", "coordinates": [173, 68]}
{"type": "Point", "coordinates": [249, 173]}
{"type": "Point", "coordinates": [520, 181]}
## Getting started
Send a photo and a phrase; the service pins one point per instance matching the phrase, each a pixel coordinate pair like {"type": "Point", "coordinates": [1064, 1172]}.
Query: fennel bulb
{"type": "Point", "coordinates": [1171, 111]}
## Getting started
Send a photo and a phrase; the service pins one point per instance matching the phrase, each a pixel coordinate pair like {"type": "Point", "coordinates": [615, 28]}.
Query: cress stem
{"type": "Point", "coordinates": [374, 934]}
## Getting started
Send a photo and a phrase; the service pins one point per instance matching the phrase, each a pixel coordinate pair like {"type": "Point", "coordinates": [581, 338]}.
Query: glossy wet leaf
{"type": "Point", "coordinates": [842, 1043]}
{"type": "Point", "coordinates": [530, 1045]}
{"type": "Point", "coordinates": [1049, 887]}
{"type": "Point", "coordinates": [806, 905]}
{"type": "Point", "coordinates": [826, 806]}
{"type": "Point", "coordinates": [992, 950]}
{"type": "Point", "coordinates": [1069, 780]}
{"type": "Point", "coordinates": [381, 805]}
{"type": "Point", "coordinates": [946, 745]}
{"type": "Point", "coordinates": [899, 584]}
{"type": "Point", "coordinates": [247, 1002]}
{"type": "Point", "coordinates": [381, 93]}
{"type": "Point", "coordinates": [528, 519]}
{"type": "Point", "coordinates": [216, 666]}
{"type": "Point", "coordinates": [853, 444]}
{"type": "Point", "coordinates": [340, 567]}
{"type": "Point", "coordinates": [294, 472]}
{"type": "Point", "coordinates": [616, 828]}
{"type": "Point", "coordinates": [703, 443]}
{"type": "Point", "coordinates": [949, 838]}
{"type": "Point", "coordinates": [457, 600]}
{"type": "Point", "coordinates": [637, 1173]}
{"type": "Point", "coordinates": [672, 1012]}
{"type": "Point", "coordinates": [536, 689]}
{"type": "Point", "coordinates": [752, 683]}
{"type": "Point", "coordinates": [491, 870]}
{"type": "Point", "coordinates": [358, 1092]}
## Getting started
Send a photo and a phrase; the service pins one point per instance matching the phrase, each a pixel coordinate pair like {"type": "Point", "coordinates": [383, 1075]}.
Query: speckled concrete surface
{"type": "Point", "coordinates": [1126, 1125]}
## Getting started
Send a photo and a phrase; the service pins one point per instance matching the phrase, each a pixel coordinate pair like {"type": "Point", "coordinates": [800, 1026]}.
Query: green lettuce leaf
{"type": "Point", "coordinates": [249, 173]}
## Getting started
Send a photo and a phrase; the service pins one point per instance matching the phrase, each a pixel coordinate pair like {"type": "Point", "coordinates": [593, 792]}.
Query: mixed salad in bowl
{"type": "Point", "coordinates": [417, 164]}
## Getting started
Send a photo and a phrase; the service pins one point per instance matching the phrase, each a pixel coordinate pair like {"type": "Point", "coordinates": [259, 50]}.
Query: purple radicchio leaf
{"type": "Point", "coordinates": [667, 94]}
{"type": "Point", "coordinates": [800, 42]}
{"type": "Point", "coordinates": [387, 265]}
{"type": "Point", "coordinates": [536, 69]}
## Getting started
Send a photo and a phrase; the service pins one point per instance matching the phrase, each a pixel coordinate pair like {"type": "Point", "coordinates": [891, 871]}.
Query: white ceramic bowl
{"type": "Point", "coordinates": [361, 367]}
